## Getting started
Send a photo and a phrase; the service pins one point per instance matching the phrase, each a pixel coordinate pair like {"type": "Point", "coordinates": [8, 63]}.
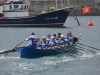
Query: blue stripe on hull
{"type": "Point", "coordinates": [56, 18]}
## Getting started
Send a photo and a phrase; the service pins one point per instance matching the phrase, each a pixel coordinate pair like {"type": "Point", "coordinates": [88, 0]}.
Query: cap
{"type": "Point", "coordinates": [43, 37]}
{"type": "Point", "coordinates": [52, 37]}
{"type": "Point", "coordinates": [62, 35]}
{"type": "Point", "coordinates": [69, 32]}
{"type": "Point", "coordinates": [48, 34]}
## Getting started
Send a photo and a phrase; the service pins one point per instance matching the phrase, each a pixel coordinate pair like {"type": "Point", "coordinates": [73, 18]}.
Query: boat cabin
{"type": "Point", "coordinates": [16, 8]}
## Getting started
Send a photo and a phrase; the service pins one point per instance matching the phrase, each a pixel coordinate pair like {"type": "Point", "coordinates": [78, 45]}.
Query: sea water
{"type": "Point", "coordinates": [83, 63]}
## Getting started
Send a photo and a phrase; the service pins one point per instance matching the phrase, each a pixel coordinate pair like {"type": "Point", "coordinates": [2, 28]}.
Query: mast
{"type": "Point", "coordinates": [68, 2]}
{"type": "Point", "coordinates": [61, 4]}
{"type": "Point", "coordinates": [56, 5]}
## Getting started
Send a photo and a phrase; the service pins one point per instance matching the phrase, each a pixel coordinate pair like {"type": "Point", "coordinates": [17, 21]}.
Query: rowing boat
{"type": "Point", "coordinates": [26, 52]}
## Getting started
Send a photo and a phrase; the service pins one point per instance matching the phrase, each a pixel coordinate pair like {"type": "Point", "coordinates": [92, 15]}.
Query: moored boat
{"type": "Point", "coordinates": [16, 15]}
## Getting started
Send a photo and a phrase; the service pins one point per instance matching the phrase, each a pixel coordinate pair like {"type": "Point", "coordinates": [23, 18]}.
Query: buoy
{"type": "Point", "coordinates": [90, 24]}
{"type": "Point", "coordinates": [3, 17]}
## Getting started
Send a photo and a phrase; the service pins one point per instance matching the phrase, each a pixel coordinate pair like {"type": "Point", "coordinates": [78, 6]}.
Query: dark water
{"type": "Point", "coordinates": [84, 63]}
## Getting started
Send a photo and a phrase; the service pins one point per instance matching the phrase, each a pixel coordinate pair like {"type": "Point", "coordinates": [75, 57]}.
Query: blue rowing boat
{"type": "Point", "coordinates": [26, 52]}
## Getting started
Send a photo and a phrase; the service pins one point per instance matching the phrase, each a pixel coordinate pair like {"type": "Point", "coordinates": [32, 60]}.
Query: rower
{"type": "Point", "coordinates": [38, 43]}
{"type": "Point", "coordinates": [58, 41]}
{"type": "Point", "coordinates": [59, 35]}
{"type": "Point", "coordinates": [71, 36]}
{"type": "Point", "coordinates": [49, 37]}
{"type": "Point", "coordinates": [44, 43]}
{"type": "Point", "coordinates": [67, 40]}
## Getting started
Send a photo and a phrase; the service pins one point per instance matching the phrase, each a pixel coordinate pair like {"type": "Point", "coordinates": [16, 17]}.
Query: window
{"type": "Point", "coordinates": [21, 7]}
{"type": "Point", "coordinates": [10, 6]}
{"type": "Point", "coordinates": [27, 6]}
{"type": "Point", "coordinates": [16, 6]}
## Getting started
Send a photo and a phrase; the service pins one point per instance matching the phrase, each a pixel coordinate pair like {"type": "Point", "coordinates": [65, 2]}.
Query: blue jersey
{"type": "Point", "coordinates": [57, 41]}
{"type": "Point", "coordinates": [44, 45]}
{"type": "Point", "coordinates": [67, 40]}
{"type": "Point", "coordinates": [33, 41]}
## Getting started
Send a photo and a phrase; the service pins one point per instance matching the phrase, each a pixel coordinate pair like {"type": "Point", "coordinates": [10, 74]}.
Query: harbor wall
{"type": "Point", "coordinates": [38, 6]}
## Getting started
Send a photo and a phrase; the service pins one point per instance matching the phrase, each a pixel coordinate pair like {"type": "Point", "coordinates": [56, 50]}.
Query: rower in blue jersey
{"type": "Point", "coordinates": [59, 36]}
{"type": "Point", "coordinates": [49, 37]}
{"type": "Point", "coordinates": [33, 39]}
{"type": "Point", "coordinates": [57, 40]}
{"type": "Point", "coordinates": [50, 40]}
{"type": "Point", "coordinates": [71, 36]}
{"type": "Point", "coordinates": [44, 43]}
{"type": "Point", "coordinates": [67, 40]}
{"type": "Point", "coordinates": [38, 43]}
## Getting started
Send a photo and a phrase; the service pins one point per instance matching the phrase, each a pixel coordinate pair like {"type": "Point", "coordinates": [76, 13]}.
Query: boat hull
{"type": "Point", "coordinates": [35, 53]}
{"type": "Point", "coordinates": [51, 19]}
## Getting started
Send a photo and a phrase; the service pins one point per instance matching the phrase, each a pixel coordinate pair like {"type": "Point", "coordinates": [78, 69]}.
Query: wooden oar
{"type": "Point", "coordinates": [86, 49]}
{"type": "Point", "coordinates": [12, 50]}
{"type": "Point", "coordinates": [67, 51]}
{"type": "Point", "coordinates": [72, 46]}
{"type": "Point", "coordinates": [88, 46]}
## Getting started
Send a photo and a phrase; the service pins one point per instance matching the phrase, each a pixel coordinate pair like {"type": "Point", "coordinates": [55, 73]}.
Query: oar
{"type": "Point", "coordinates": [12, 50]}
{"type": "Point", "coordinates": [67, 51]}
{"type": "Point", "coordinates": [83, 49]}
{"type": "Point", "coordinates": [86, 49]}
{"type": "Point", "coordinates": [62, 51]}
{"type": "Point", "coordinates": [88, 46]}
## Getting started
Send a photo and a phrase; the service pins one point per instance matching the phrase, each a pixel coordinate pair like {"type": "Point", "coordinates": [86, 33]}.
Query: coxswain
{"type": "Point", "coordinates": [33, 39]}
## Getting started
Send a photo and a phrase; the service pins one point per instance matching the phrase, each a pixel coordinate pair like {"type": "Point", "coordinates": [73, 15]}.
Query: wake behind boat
{"type": "Point", "coordinates": [16, 15]}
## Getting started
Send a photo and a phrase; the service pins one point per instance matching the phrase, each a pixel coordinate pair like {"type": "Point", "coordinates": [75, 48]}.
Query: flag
{"type": "Point", "coordinates": [86, 10]}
